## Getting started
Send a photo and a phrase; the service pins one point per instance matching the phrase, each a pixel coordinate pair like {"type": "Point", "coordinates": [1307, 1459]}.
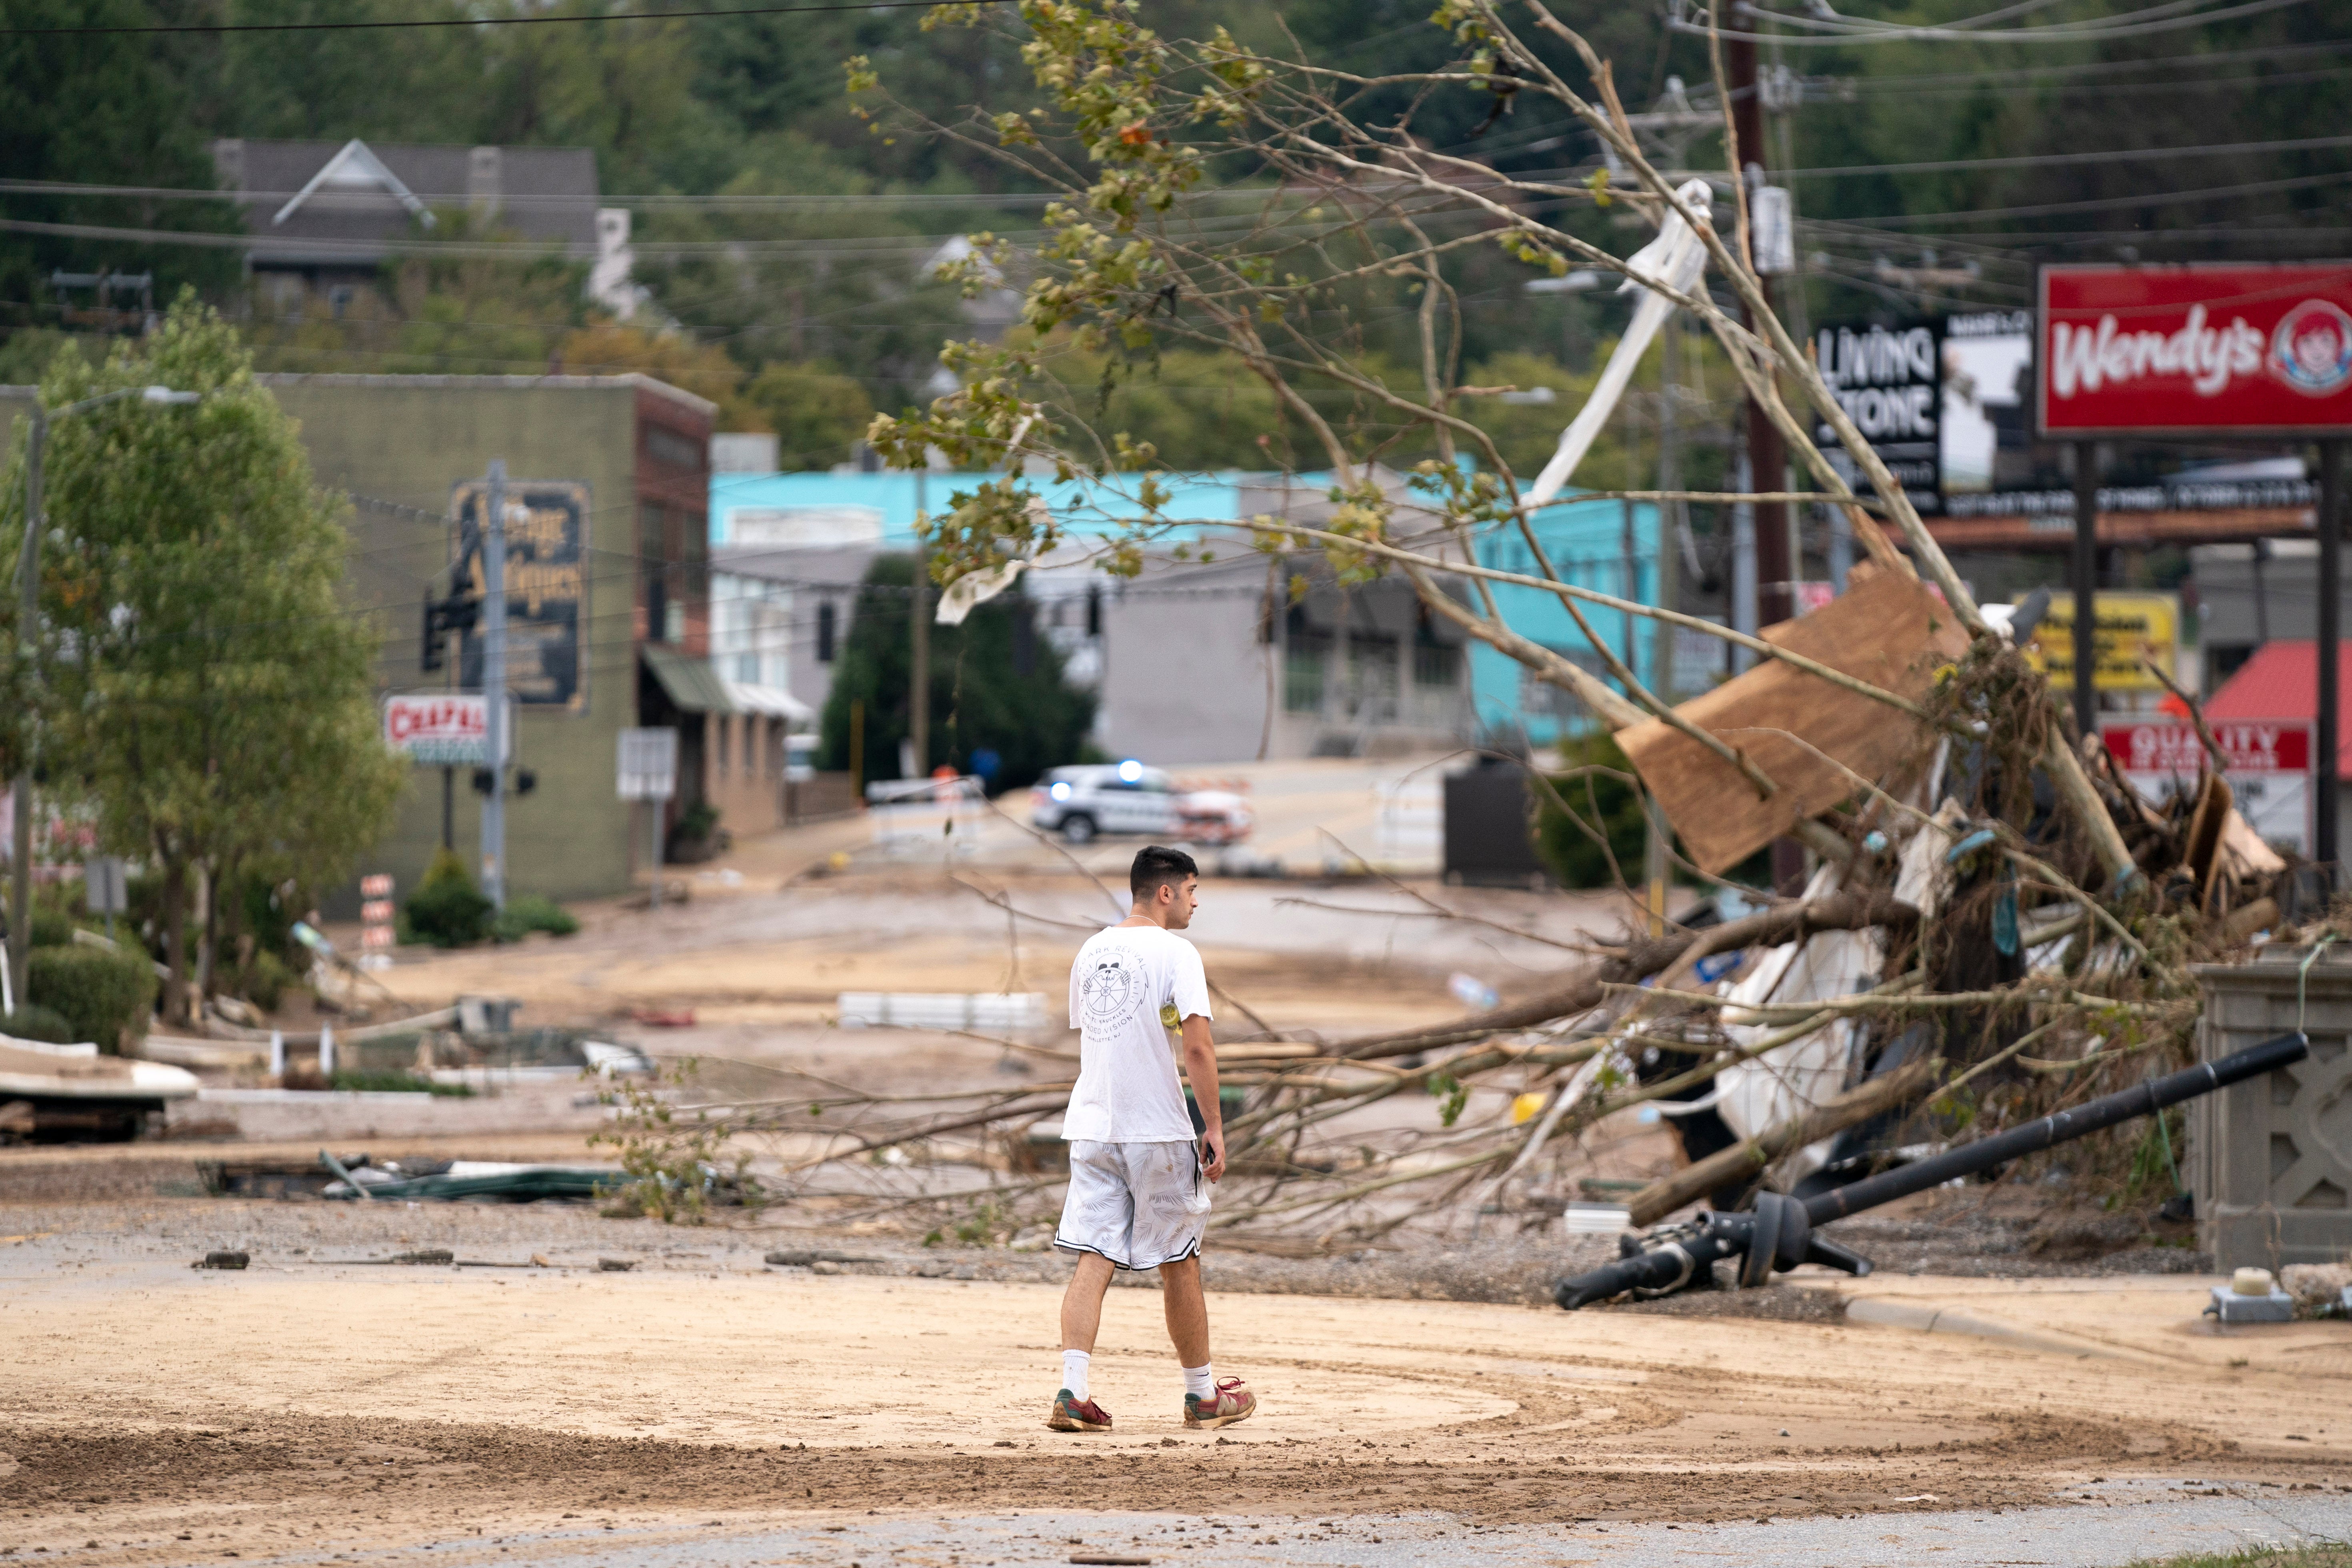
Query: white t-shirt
{"type": "Point", "coordinates": [1128, 1091]}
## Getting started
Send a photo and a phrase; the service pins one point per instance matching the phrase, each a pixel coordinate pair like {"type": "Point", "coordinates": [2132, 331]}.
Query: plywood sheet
{"type": "Point", "coordinates": [1890, 630]}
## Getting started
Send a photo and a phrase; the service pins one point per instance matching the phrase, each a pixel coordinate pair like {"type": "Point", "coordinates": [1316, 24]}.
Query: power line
{"type": "Point", "coordinates": [2107, 203]}
{"type": "Point", "coordinates": [2117, 155]}
{"type": "Point", "coordinates": [2159, 19]}
{"type": "Point", "coordinates": [485, 21]}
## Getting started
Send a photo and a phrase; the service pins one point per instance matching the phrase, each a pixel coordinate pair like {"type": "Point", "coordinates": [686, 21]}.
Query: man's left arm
{"type": "Point", "coordinates": [1201, 1071]}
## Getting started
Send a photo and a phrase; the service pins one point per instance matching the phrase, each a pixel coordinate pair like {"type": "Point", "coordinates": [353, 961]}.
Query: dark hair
{"type": "Point", "coordinates": [1156, 866]}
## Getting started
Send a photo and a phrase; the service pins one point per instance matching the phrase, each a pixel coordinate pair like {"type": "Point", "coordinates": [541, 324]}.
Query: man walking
{"type": "Point", "coordinates": [1139, 1181]}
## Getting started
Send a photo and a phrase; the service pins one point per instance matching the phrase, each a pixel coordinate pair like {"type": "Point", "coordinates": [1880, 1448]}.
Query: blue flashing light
{"type": "Point", "coordinates": [1131, 770]}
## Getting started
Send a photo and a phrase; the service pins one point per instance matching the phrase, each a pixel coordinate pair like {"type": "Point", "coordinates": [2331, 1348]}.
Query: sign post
{"type": "Point", "coordinates": [2210, 349]}
{"type": "Point", "coordinates": [105, 888]}
{"type": "Point", "coordinates": [494, 682]}
{"type": "Point", "coordinates": [648, 772]}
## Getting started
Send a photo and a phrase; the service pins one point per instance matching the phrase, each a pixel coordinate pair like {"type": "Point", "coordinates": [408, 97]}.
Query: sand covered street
{"type": "Point", "coordinates": [315, 1404]}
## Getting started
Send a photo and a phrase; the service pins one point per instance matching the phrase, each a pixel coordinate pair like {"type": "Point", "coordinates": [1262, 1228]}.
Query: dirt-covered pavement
{"type": "Point", "coordinates": [324, 1401]}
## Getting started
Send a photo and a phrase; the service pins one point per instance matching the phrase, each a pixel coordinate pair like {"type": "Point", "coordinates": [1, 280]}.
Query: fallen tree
{"type": "Point", "coordinates": [1979, 875]}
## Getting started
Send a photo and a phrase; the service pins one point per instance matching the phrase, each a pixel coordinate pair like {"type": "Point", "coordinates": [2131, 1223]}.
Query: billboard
{"type": "Point", "coordinates": [438, 729]}
{"type": "Point", "coordinates": [2195, 348]}
{"type": "Point", "coordinates": [1987, 461]}
{"type": "Point", "coordinates": [1889, 382]}
{"type": "Point", "coordinates": [2269, 769]}
{"type": "Point", "coordinates": [546, 583]}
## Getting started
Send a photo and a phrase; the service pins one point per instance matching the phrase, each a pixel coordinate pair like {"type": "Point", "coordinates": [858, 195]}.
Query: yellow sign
{"type": "Point", "coordinates": [2135, 630]}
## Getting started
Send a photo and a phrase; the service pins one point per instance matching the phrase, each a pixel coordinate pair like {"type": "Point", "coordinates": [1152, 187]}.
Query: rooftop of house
{"type": "Point", "coordinates": [320, 202]}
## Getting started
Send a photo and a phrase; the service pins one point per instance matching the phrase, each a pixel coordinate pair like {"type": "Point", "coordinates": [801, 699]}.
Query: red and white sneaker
{"type": "Point", "coordinates": [1074, 1415]}
{"type": "Point", "coordinates": [1231, 1401]}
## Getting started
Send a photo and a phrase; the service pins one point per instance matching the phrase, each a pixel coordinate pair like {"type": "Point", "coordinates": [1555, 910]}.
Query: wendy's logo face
{"type": "Point", "coordinates": [2311, 350]}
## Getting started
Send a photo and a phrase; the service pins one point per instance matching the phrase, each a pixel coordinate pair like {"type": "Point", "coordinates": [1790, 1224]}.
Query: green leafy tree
{"type": "Point", "coordinates": [817, 412]}
{"type": "Point", "coordinates": [206, 683]}
{"type": "Point", "coordinates": [996, 684]}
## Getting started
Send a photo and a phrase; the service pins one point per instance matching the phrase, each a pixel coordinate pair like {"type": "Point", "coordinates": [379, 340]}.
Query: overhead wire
{"type": "Point", "coordinates": [573, 19]}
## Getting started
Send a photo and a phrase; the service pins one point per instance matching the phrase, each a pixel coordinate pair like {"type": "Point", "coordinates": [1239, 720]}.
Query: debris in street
{"type": "Point", "coordinates": [222, 1261]}
{"type": "Point", "coordinates": [616, 1265]}
{"type": "Point", "coordinates": [1779, 1232]}
{"type": "Point", "coordinates": [454, 1180]}
{"type": "Point", "coordinates": [429, 1257]}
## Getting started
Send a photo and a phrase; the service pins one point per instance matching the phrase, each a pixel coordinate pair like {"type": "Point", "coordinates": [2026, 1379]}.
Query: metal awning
{"type": "Point", "coordinates": [770, 702]}
{"type": "Point", "coordinates": [691, 683]}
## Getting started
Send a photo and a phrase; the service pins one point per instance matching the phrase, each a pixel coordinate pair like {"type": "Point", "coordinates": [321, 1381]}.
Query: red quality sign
{"type": "Point", "coordinates": [2179, 348]}
{"type": "Point", "coordinates": [2252, 748]}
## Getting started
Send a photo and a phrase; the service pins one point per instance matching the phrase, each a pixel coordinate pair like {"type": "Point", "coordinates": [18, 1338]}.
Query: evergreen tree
{"type": "Point", "coordinates": [997, 685]}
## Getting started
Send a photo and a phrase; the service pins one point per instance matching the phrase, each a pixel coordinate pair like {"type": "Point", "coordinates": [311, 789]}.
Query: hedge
{"type": "Point", "coordinates": [100, 994]}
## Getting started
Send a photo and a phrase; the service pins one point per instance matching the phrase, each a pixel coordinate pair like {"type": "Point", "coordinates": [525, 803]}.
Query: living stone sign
{"type": "Point", "coordinates": [546, 583]}
{"type": "Point", "coordinates": [1888, 380]}
{"type": "Point", "coordinates": [2195, 348]}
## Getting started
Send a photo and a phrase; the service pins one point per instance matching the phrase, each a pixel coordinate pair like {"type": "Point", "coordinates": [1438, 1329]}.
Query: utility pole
{"type": "Point", "coordinates": [28, 618]}
{"type": "Point", "coordinates": [494, 684]}
{"type": "Point", "coordinates": [1767, 458]}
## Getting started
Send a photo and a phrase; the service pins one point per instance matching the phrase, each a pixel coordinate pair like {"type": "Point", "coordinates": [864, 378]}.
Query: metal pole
{"type": "Point", "coordinates": [918, 694]}
{"type": "Point", "coordinates": [28, 616]}
{"type": "Point", "coordinates": [653, 859]}
{"type": "Point", "coordinates": [1629, 573]}
{"type": "Point", "coordinates": [1743, 565]}
{"type": "Point", "coordinates": [494, 684]}
{"type": "Point", "coordinates": [2086, 586]}
{"type": "Point", "coordinates": [2331, 586]}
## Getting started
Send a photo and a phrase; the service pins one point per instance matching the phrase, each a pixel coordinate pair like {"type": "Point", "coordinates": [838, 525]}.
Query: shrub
{"type": "Point", "coordinates": [1605, 806]}
{"type": "Point", "coordinates": [533, 912]}
{"type": "Point", "coordinates": [52, 927]}
{"type": "Point", "coordinates": [100, 994]}
{"type": "Point", "coordinates": [395, 1083]}
{"type": "Point", "coordinates": [38, 1024]}
{"type": "Point", "coordinates": [447, 910]}
{"type": "Point", "coordinates": [262, 981]}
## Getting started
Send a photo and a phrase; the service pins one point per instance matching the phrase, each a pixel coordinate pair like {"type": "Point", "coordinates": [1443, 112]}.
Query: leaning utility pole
{"type": "Point", "coordinates": [494, 682]}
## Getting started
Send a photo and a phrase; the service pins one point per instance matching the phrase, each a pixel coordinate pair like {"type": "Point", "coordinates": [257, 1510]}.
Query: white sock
{"type": "Point", "coordinates": [1074, 1372]}
{"type": "Point", "coordinates": [1201, 1382]}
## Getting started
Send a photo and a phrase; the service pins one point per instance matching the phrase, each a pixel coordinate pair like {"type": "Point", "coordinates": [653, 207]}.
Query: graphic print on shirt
{"type": "Point", "coordinates": [1113, 989]}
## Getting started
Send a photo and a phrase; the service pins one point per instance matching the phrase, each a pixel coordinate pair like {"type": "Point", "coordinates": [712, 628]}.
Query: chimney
{"type": "Point", "coordinates": [485, 183]}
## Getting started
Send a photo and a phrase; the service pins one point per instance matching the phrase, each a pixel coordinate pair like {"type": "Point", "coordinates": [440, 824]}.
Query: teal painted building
{"type": "Point", "coordinates": [1608, 545]}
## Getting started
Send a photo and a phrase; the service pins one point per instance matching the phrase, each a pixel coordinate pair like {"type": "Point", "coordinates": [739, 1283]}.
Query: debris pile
{"type": "Point", "coordinates": [1967, 952]}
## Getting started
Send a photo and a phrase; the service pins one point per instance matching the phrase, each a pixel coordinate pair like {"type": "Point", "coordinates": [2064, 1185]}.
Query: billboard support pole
{"type": "Point", "coordinates": [2331, 581]}
{"type": "Point", "coordinates": [494, 682]}
{"type": "Point", "coordinates": [2086, 585]}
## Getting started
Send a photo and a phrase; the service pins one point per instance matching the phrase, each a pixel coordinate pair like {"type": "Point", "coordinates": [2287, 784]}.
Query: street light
{"type": "Point", "coordinates": [28, 585]}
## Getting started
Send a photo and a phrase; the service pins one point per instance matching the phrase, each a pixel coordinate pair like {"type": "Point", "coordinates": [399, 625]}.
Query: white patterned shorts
{"type": "Point", "coordinates": [1138, 1205]}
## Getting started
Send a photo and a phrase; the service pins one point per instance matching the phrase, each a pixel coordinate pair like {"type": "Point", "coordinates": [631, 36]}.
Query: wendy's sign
{"type": "Point", "coordinates": [2195, 348]}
